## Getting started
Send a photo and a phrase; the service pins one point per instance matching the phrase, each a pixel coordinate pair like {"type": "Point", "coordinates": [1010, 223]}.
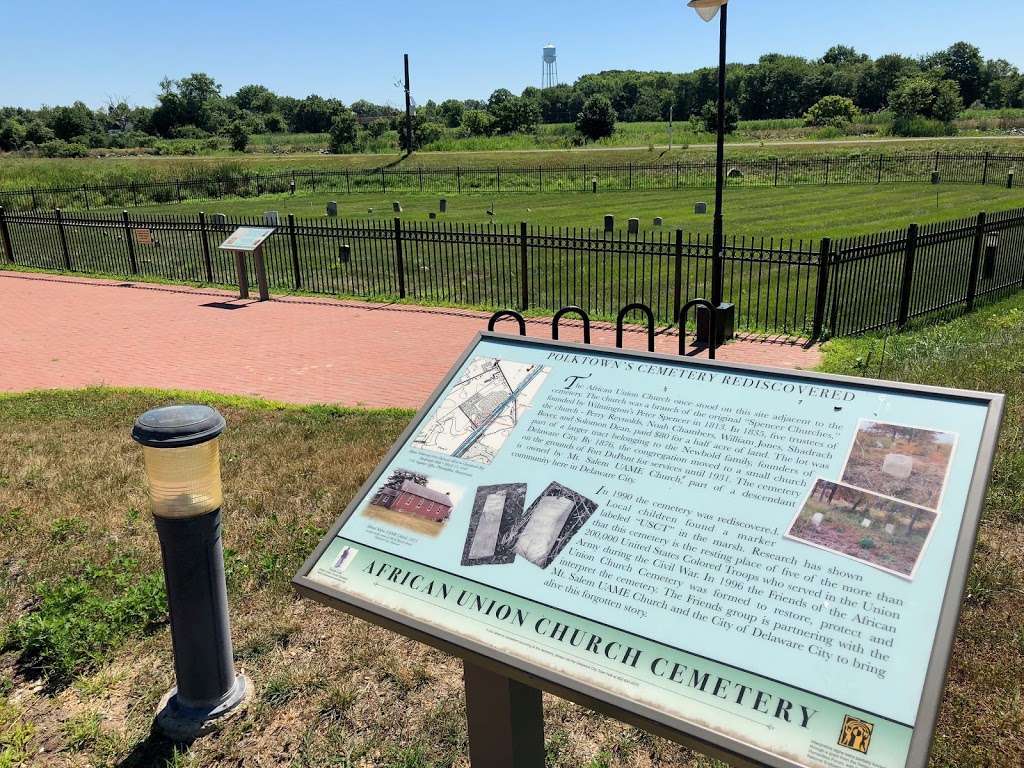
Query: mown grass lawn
{"type": "Point", "coordinates": [335, 691]}
{"type": "Point", "coordinates": [799, 212]}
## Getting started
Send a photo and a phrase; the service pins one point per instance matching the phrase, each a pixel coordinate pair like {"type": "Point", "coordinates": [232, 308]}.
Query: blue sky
{"type": "Point", "coordinates": [56, 52]}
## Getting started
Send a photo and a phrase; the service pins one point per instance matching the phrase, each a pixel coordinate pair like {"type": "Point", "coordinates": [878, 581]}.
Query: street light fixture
{"type": "Point", "coordinates": [726, 313]}
{"type": "Point", "coordinates": [182, 457]}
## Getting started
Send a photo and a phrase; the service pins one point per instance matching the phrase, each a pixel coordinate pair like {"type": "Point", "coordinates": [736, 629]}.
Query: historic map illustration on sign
{"type": "Point", "coordinates": [482, 409]}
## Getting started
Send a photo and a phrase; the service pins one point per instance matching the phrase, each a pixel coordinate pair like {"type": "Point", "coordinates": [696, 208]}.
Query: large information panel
{"type": "Point", "coordinates": [769, 563]}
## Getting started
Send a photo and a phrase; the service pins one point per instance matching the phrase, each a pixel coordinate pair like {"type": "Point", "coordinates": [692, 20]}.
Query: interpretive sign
{"type": "Point", "coordinates": [765, 564]}
{"type": "Point", "coordinates": [143, 236]}
{"type": "Point", "coordinates": [247, 239]}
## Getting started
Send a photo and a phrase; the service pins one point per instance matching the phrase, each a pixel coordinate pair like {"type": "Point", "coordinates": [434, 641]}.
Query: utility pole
{"type": "Point", "coordinates": [408, 109]}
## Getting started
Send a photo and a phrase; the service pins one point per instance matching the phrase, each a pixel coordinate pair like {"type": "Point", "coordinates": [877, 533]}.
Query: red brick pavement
{"type": "Point", "coordinates": [70, 332]}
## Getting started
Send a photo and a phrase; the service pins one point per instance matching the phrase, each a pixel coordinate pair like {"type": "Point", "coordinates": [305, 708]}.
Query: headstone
{"type": "Point", "coordinates": [936, 178]}
{"type": "Point", "coordinates": [816, 519]}
{"type": "Point", "coordinates": [890, 528]}
{"type": "Point", "coordinates": [444, 205]}
{"type": "Point", "coordinates": [898, 465]}
{"type": "Point", "coordinates": [433, 215]}
{"type": "Point", "coordinates": [700, 208]}
{"type": "Point", "coordinates": [396, 207]}
{"type": "Point", "coordinates": [658, 221]}
{"type": "Point", "coordinates": [270, 217]}
{"type": "Point", "coordinates": [735, 173]}
{"type": "Point", "coordinates": [219, 218]}
{"type": "Point", "coordinates": [332, 208]}
{"type": "Point", "coordinates": [865, 523]}
{"type": "Point", "coordinates": [345, 253]}
{"type": "Point", "coordinates": [609, 223]}
{"type": "Point", "coordinates": [593, 185]}
{"type": "Point", "coordinates": [634, 226]}
{"type": "Point", "coordinates": [369, 210]}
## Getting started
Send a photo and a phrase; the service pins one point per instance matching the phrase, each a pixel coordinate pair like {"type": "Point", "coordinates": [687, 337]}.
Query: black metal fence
{"type": "Point", "coordinates": [788, 171]}
{"type": "Point", "coordinates": [793, 287]}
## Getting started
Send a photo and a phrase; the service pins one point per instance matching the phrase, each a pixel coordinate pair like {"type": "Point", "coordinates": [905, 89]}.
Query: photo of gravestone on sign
{"type": "Point", "coordinates": [879, 531]}
{"type": "Point", "coordinates": [908, 463]}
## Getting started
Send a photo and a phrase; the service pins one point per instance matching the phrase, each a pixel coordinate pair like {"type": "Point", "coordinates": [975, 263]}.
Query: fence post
{"type": "Point", "coordinates": [976, 252]}
{"type": "Point", "coordinates": [399, 259]}
{"type": "Point", "coordinates": [524, 266]}
{"type": "Point", "coordinates": [383, 181]}
{"type": "Point", "coordinates": [677, 290]}
{"type": "Point", "coordinates": [776, 171]}
{"type": "Point", "coordinates": [207, 261]}
{"type": "Point", "coordinates": [677, 183]}
{"type": "Point", "coordinates": [296, 271]}
{"type": "Point", "coordinates": [828, 167]}
{"type": "Point", "coordinates": [85, 196]}
{"type": "Point", "coordinates": [880, 158]}
{"type": "Point", "coordinates": [421, 178]}
{"type": "Point", "coordinates": [63, 239]}
{"type": "Point", "coordinates": [35, 202]}
{"type": "Point", "coordinates": [907, 281]}
{"type": "Point", "coordinates": [458, 178]}
{"type": "Point", "coordinates": [177, 186]}
{"type": "Point", "coordinates": [984, 172]}
{"type": "Point", "coordinates": [132, 259]}
{"type": "Point", "coordinates": [5, 235]}
{"type": "Point", "coordinates": [824, 262]}
{"type": "Point", "coordinates": [631, 175]}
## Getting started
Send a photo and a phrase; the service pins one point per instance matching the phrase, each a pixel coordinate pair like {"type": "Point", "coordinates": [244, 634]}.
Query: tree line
{"type": "Point", "coordinates": [924, 94]}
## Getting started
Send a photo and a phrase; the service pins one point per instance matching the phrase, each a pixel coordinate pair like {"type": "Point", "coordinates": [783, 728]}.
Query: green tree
{"type": "Point", "coordinates": [477, 122]}
{"type": "Point", "coordinates": [343, 132]}
{"type": "Point", "coordinates": [256, 98]}
{"type": "Point", "coordinates": [12, 135]}
{"type": "Point", "coordinates": [928, 97]}
{"type": "Point", "coordinates": [597, 118]}
{"type": "Point", "coordinates": [451, 111]}
{"type": "Point", "coordinates": [70, 122]}
{"type": "Point", "coordinates": [709, 116]}
{"type": "Point", "coordinates": [963, 64]}
{"type": "Point", "coordinates": [238, 135]}
{"type": "Point", "coordinates": [514, 115]}
{"type": "Point", "coordinates": [315, 114]}
{"type": "Point", "coordinates": [833, 111]}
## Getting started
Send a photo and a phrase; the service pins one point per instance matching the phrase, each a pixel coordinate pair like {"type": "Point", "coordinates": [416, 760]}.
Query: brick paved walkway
{"type": "Point", "coordinates": [69, 332]}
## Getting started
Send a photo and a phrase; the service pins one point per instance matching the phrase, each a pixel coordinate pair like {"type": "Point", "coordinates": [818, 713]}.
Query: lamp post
{"type": "Point", "coordinates": [707, 10]}
{"type": "Point", "coordinates": [182, 457]}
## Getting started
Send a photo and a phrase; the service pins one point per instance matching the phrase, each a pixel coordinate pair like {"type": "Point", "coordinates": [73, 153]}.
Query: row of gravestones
{"type": "Point", "coordinates": [273, 218]}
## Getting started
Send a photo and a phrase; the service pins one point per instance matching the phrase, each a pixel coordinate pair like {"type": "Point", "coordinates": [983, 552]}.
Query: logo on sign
{"type": "Point", "coordinates": [856, 734]}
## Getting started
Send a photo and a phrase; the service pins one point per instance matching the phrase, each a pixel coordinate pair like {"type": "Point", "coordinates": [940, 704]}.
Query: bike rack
{"type": "Point", "coordinates": [565, 311]}
{"type": "Point", "coordinates": [510, 313]}
{"type": "Point", "coordinates": [713, 320]}
{"type": "Point", "coordinates": [650, 324]}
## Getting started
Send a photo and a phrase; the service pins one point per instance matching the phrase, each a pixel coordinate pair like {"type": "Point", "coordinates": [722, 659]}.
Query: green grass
{"type": "Point", "coordinates": [799, 212]}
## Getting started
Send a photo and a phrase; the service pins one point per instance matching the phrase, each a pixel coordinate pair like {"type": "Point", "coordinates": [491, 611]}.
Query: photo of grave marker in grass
{"type": "Point", "coordinates": [550, 523]}
{"type": "Point", "coordinates": [881, 532]}
{"type": "Point", "coordinates": [907, 463]}
{"type": "Point", "coordinates": [413, 501]}
{"type": "Point", "coordinates": [497, 510]}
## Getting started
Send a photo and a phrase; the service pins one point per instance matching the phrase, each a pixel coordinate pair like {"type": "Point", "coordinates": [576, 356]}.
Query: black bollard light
{"type": "Point", "coordinates": [182, 456]}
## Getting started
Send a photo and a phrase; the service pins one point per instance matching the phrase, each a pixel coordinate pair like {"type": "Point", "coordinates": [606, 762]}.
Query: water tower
{"type": "Point", "coordinates": [549, 76]}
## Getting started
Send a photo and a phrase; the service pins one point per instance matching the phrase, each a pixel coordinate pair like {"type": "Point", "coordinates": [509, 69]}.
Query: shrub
{"type": "Point", "coordinates": [709, 116]}
{"type": "Point", "coordinates": [238, 136]}
{"type": "Point", "coordinates": [925, 96]}
{"type": "Point", "coordinates": [919, 126]}
{"type": "Point", "coordinates": [597, 119]}
{"type": "Point", "coordinates": [867, 543]}
{"type": "Point", "coordinates": [832, 111]}
{"type": "Point", "coordinates": [343, 132]}
{"type": "Point", "coordinates": [476, 122]}
{"type": "Point", "coordinates": [79, 620]}
{"type": "Point", "coordinates": [60, 148]}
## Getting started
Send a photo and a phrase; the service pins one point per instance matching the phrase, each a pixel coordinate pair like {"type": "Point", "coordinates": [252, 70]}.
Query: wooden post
{"type": "Point", "coordinates": [976, 253]}
{"type": "Point", "coordinates": [261, 274]}
{"type": "Point", "coordinates": [399, 258]}
{"type": "Point", "coordinates": [296, 270]}
{"type": "Point", "coordinates": [5, 236]}
{"type": "Point", "coordinates": [207, 260]}
{"type": "Point", "coordinates": [132, 259]}
{"type": "Point", "coordinates": [824, 259]}
{"type": "Point", "coordinates": [65, 251]}
{"type": "Point", "coordinates": [907, 281]}
{"type": "Point", "coordinates": [524, 267]}
{"type": "Point", "coordinates": [505, 718]}
{"type": "Point", "coordinates": [242, 275]}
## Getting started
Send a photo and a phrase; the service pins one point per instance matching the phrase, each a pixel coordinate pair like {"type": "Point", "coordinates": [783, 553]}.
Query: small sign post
{"type": "Point", "coordinates": [764, 565]}
{"type": "Point", "coordinates": [249, 240]}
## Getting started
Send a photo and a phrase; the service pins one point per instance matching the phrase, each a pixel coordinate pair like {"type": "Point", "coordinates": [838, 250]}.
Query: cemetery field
{"type": "Point", "coordinates": [798, 212]}
{"type": "Point", "coordinates": [86, 650]}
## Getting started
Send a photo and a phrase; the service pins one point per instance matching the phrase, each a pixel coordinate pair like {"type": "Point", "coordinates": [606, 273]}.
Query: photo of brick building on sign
{"type": "Point", "coordinates": [417, 500]}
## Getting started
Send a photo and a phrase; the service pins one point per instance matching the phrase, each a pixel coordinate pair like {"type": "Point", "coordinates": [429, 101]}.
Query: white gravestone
{"type": "Point", "coordinates": [898, 465]}
{"type": "Point", "coordinates": [542, 531]}
{"type": "Point", "coordinates": [485, 540]}
{"type": "Point", "coordinates": [816, 519]}
{"type": "Point", "coordinates": [890, 528]}
{"type": "Point", "coordinates": [865, 523]}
